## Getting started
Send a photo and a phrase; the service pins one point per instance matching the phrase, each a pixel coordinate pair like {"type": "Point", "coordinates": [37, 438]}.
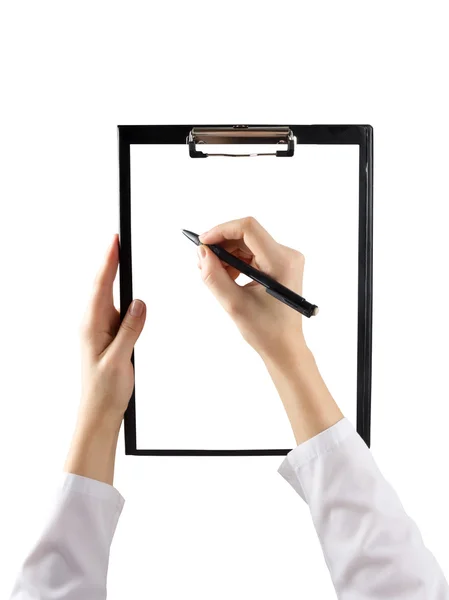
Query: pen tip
{"type": "Point", "coordinates": [192, 236]}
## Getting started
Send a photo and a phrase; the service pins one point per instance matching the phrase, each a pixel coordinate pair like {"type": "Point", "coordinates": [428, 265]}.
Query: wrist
{"type": "Point", "coordinates": [95, 418]}
{"type": "Point", "coordinates": [308, 403]}
{"type": "Point", "coordinates": [291, 360]}
{"type": "Point", "coordinates": [101, 428]}
{"type": "Point", "coordinates": [92, 453]}
{"type": "Point", "coordinates": [93, 448]}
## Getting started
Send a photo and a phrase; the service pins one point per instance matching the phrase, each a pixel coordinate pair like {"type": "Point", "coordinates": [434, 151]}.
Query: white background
{"type": "Point", "coordinates": [214, 528]}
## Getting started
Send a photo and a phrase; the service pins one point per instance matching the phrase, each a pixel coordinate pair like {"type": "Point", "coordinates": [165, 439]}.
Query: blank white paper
{"type": "Point", "coordinates": [199, 385]}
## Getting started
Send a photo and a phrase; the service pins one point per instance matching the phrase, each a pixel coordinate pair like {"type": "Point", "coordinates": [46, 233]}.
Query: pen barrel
{"type": "Point", "coordinates": [293, 300]}
{"type": "Point", "coordinates": [241, 266]}
{"type": "Point", "coordinates": [274, 288]}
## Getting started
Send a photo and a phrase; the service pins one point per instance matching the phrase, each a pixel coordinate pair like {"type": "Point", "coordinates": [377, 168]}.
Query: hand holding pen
{"type": "Point", "coordinates": [271, 328]}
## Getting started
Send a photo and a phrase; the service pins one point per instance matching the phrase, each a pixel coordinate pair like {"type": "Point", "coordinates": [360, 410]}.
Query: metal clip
{"type": "Point", "coordinates": [241, 134]}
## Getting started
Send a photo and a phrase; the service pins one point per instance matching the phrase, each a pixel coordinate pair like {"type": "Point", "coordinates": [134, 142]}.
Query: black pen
{"type": "Point", "coordinates": [273, 288]}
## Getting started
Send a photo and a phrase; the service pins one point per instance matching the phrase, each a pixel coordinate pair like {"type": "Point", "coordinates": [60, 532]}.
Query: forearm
{"type": "Point", "coordinates": [372, 547]}
{"type": "Point", "coordinates": [93, 448]}
{"type": "Point", "coordinates": [304, 394]}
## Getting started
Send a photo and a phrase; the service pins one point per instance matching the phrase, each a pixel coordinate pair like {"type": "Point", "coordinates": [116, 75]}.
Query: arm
{"type": "Point", "coordinates": [372, 548]}
{"type": "Point", "coordinates": [70, 559]}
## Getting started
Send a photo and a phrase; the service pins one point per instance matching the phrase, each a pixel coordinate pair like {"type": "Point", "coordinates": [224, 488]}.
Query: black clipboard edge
{"type": "Point", "coordinates": [270, 452]}
{"type": "Point", "coordinates": [361, 135]}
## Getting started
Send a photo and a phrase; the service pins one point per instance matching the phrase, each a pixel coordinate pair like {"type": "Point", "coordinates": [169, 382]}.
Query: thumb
{"type": "Point", "coordinates": [129, 331]}
{"type": "Point", "coordinates": [217, 279]}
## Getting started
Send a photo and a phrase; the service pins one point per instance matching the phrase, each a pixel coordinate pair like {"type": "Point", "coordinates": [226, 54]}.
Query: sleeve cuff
{"type": "Point", "coordinates": [311, 449]}
{"type": "Point", "coordinates": [91, 487]}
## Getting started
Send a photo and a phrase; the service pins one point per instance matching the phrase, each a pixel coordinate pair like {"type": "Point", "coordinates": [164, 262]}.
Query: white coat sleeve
{"type": "Point", "coordinates": [372, 548]}
{"type": "Point", "coordinates": [70, 559]}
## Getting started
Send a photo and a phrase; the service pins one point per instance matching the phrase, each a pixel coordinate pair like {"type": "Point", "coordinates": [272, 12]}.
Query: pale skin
{"type": "Point", "coordinates": [273, 329]}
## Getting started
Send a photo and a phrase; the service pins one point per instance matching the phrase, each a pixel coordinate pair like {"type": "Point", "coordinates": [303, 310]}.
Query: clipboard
{"type": "Point", "coordinates": [197, 142]}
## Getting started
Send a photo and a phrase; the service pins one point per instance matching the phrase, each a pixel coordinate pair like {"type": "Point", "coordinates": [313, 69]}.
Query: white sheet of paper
{"type": "Point", "coordinates": [199, 385]}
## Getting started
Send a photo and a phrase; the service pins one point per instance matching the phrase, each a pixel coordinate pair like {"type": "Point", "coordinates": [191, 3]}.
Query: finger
{"type": "Point", "coordinates": [255, 237]}
{"type": "Point", "coordinates": [102, 296]}
{"type": "Point", "coordinates": [231, 271]}
{"type": "Point", "coordinates": [217, 279]}
{"type": "Point", "coordinates": [237, 247]}
{"type": "Point", "coordinates": [246, 259]}
{"type": "Point", "coordinates": [129, 331]}
{"type": "Point", "coordinates": [101, 303]}
{"type": "Point", "coordinates": [238, 253]}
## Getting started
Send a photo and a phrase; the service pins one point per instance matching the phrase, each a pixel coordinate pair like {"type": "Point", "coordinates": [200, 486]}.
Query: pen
{"type": "Point", "coordinates": [275, 289]}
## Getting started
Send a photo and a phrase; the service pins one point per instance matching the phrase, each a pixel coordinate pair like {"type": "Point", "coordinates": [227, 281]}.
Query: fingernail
{"type": "Point", "coordinates": [201, 252]}
{"type": "Point", "coordinates": [136, 308]}
{"type": "Point", "coordinates": [202, 235]}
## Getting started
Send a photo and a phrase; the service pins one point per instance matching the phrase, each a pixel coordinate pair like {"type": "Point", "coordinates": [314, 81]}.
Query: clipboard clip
{"type": "Point", "coordinates": [241, 134]}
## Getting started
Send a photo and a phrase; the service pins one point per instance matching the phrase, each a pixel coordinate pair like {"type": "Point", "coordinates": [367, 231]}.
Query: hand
{"type": "Point", "coordinates": [107, 346]}
{"type": "Point", "coordinates": [107, 375]}
{"type": "Point", "coordinates": [273, 329]}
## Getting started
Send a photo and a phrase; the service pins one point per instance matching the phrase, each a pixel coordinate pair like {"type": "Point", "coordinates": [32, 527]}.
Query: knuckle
{"type": "Point", "coordinates": [292, 256]}
{"type": "Point", "coordinates": [110, 366]}
{"type": "Point", "coordinates": [128, 327]}
{"type": "Point", "coordinates": [209, 278]}
{"type": "Point", "coordinates": [232, 307]}
{"type": "Point", "coordinates": [249, 222]}
{"type": "Point", "coordinates": [299, 257]}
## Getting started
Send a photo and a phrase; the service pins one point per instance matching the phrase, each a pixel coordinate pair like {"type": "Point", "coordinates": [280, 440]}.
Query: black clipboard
{"type": "Point", "coordinates": [196, 137]}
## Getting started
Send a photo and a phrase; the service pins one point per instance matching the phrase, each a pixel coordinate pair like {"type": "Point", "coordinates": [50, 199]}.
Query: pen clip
{"type": "Point", "coordinates": [285, 300]}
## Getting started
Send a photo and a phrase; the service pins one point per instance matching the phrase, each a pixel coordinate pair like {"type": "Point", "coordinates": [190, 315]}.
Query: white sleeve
{"type": "Point", "coordinates": [70, 559]}
{"type": "Point", "coordinates": [372, 548]}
